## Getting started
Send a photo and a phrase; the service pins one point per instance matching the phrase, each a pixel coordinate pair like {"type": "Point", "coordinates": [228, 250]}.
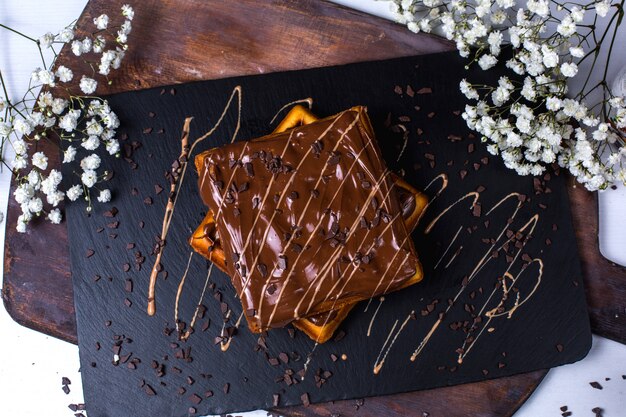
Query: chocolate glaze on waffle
{"type": "Point", "coordinates": [306, 219]}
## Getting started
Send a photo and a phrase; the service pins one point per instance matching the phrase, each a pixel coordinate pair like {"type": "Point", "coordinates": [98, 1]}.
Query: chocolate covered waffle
{"type": "Point", "coordinates": [307, 221]}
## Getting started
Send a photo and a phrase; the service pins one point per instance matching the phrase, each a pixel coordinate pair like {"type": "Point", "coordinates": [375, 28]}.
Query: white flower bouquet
{"type": "Point", "coordinates": [533, 121]}
{"type": "Point", "coordinates": [79, 123]}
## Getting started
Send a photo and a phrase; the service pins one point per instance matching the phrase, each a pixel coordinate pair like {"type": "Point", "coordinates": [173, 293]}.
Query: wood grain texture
{"type": "Point", "coordinates": [478, 399]}
{"type": "Point", "coordinates": [180, 41]}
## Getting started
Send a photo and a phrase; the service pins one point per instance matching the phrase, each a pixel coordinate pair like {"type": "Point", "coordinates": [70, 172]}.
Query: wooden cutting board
{"type": "Point", "coordinates": [180, 41]}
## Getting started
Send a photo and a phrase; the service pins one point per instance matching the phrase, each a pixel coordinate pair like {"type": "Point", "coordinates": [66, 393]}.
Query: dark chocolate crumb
{"type": "Point", "coordinates": [596, 385]}
{"type": "Point", "coordinates": [149, 390]}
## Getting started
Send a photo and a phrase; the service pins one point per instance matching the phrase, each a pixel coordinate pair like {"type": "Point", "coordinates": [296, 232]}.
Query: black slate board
{"type": "Point", "coordinates": [549, 328]}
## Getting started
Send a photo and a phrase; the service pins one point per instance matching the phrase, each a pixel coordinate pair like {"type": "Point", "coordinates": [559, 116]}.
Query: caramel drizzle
{"type": "Point", "coordinates": [282, 196]}
{"type": "Point", "coordinates": [380, 303]}
{"type": "Point", "coordinates": [317, 226]}
{"type": "Point", "coordinates": [378, 365]}
{"type": "Point", "coordinates": [444, 184]}
{"type": "Point", "coordinates": [483, 261]}
{"type": "Point", "coordinates": [443, 255]}
{"type": "Point", "coordinates": [493, 313]}
{"type": "Point", "coordinates": [177, 184]}
{"type": "Point", "coordinates": [179, 291]}
{"type": "Point", "coordinates": [308, 101]}
{"type": "Point", "coordinates": [327, 267]}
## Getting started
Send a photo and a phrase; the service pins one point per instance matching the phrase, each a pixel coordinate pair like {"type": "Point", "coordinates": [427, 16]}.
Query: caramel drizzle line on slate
{"type": "Point", "coordinates": [177, 184]}
{"type": "Point", "coordinates": [484, 261]}
{"type": "Point", "coordinates": [491, 314]}
{"type": "Point", "coordinates": [320, 221]}
{"type": "Point", "coordinates": [494, 312]}
{"type": "Point", "coordinates": [378, 365]}
{"type": "Point", "coordinates": [282, 196]}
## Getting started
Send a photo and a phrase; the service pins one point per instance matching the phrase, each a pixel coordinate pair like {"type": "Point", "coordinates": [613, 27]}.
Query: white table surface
{"type": "Point", "coordinates": [32, 364]}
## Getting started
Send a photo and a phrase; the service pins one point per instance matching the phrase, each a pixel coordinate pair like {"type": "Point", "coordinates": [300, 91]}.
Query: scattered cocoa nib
{"type": "Point", "coordinates": [596, 385]}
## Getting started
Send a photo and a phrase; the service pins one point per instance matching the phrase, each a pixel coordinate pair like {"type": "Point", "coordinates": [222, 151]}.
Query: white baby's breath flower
{"type": "Point", "coordinates": [86, 45]}
{"type": "Point", "coordinates": [35, 205]}
{"type": "Point", "coordinates": [91, 143]}
{"type": "Point", "coordinates": [550, 57]}
{"type": "Point", "coordinates": [553, 103]}
{"type": "Point", "coordinates": [577, 14]}
{"type": "Point", "coordinates": [101, 21]}
{"type": "Point", "coordinates": [128, 12]}
{"type": "Point", "coordinates": [104, 196]}
{"type": "Point", "coordinates": [21, 223]}
{"type": "Point", "coordinates": [55, 216]}
{"type": "Point", "coordinates": [77, 48]}
{"type": "Point", "coordinates": [98, 44]}
{"type": "Point", "coordinates": [94, 127]}
{"type": "Point", "coordinates": [90, 162]}
{"type": "Point", "coordinates": [577, 51]}
{"type": "Point", "coordinates": [45, 99]}
{"type": "Point", "coordinates": [55, 198]}
{"type": "Point", "coordinates": [113, 146]}
{"type": "Point", "coordinates": [602, 8]}
{"type": "Point", "coordinates": [88, 85]}
{"type": "Point", "coordinates": [89, 178]}
{"type": "Point", "coordinates": [40, 160]}
{"type": "Point", "coordinates": [46, 40]}
{"type": "Point", "coordinates": [487, 61]}
{"type": "Point", "coordinates": [34, 179]}
{"type": "Point", "coordinates": [23, 193]}
{"type": "Point", "coordinates": [66, 35]}
{"type": "Point", "coordinates": [69, 121]}
{"type": "Point", "coordinates": [569, 69]}
{"type": "Point", "coordinates": [65, 74]}
{"type": "Point", "coordinates": [23, 127]}
{"type": "Point", "coordinates": [59, 105]}
{"type": "Point", "coordinates": [20, 162]}
{"type": "Point", "coordinates": [74, 192]}
{"type": "Point", "coordinates": [495, 39]}
{"type": "Point", "coordinates": [468, 90]}
{"type": "Point", "coordinates": [539, 7]}
{"type": "Point", "coordinates": [567, 27]}
{"type": "Point", "coordinates": [69, 154]}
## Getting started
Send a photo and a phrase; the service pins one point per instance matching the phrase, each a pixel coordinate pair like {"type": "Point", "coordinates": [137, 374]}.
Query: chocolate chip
{"type": "Point", "coordinates": [305, 399]}
{"type": "Point", "coordinates": [596, 385]}
{"type": "Point", "coordinates": [275, 400]}
{"type": "Point", "coordinates": [271, 289]}
{"type": "Point", "coordinates": [196, 399]}
{"type": "Point", "coordinates": [89, 253]}
{"type": "Point", "coordinates": [293, 195]}
{"type": "Point", "coordinates": [262, 269]}
{"type": "Point", "coordinates": [226, 388]}
{"type": "Point", "coordinates": [66, 389]}
{"type": "Point", "coordinates": [249, 169]}
{"type": "Point", "coordinates": [425, 90]}
{"type": "Point", "coordinates": [334, 159]}
{"type": "Point", "coordinates": [149, 390]}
